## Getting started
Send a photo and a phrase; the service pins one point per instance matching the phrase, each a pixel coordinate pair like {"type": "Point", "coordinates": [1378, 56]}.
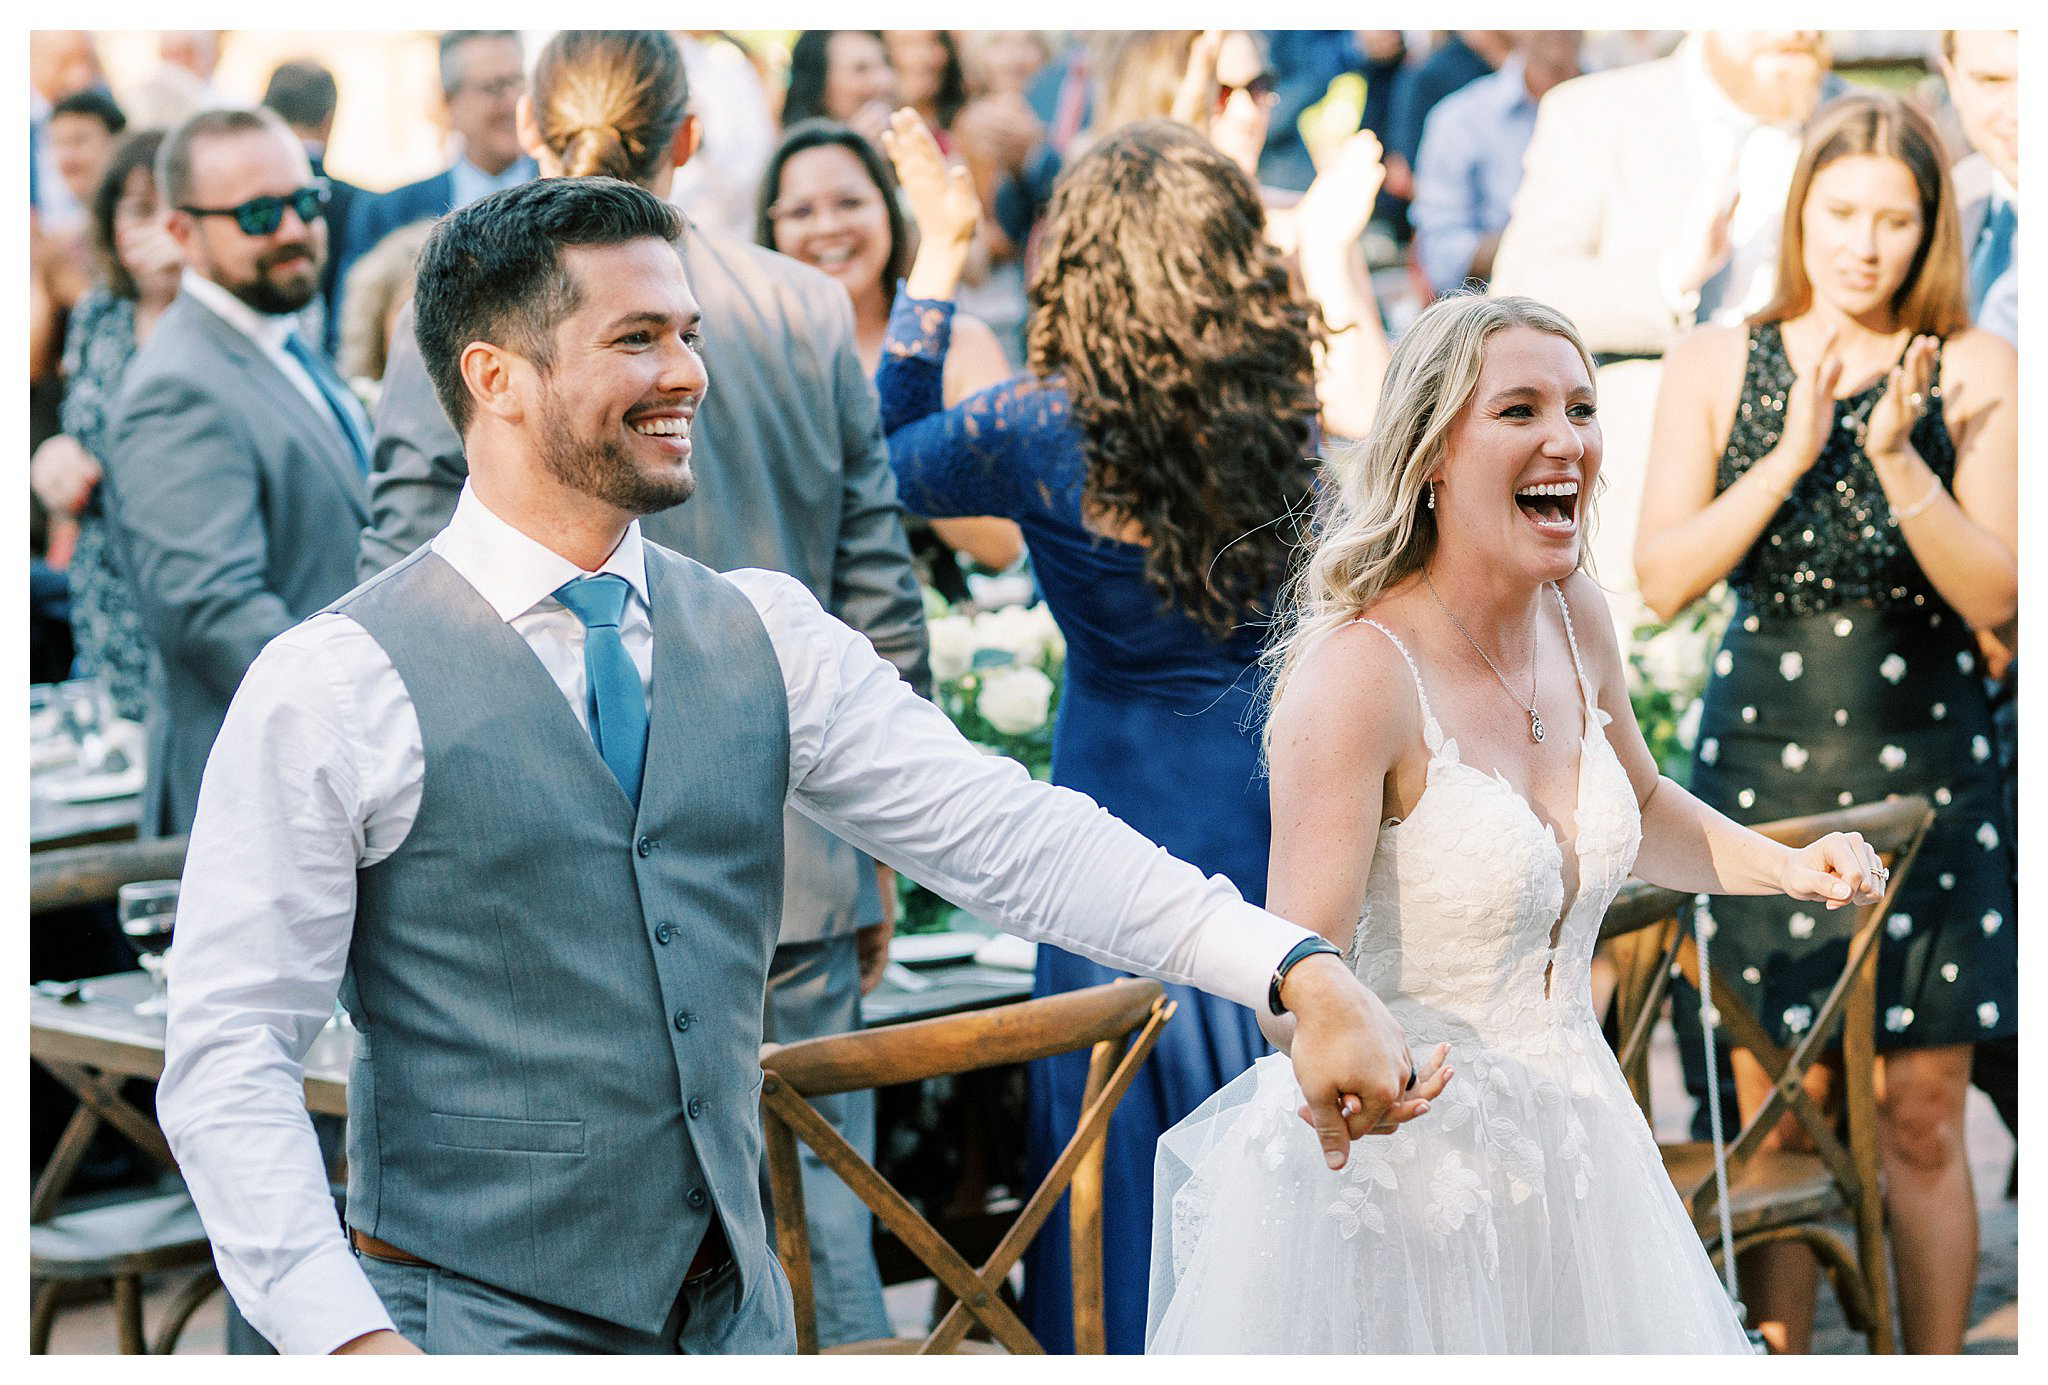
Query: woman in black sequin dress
{"type": "Point", "coordinates": [1864, 511]}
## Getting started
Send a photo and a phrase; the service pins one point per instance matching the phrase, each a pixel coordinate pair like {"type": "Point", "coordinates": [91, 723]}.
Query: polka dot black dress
{"type": "Point", "coordinates": [1844, 678]}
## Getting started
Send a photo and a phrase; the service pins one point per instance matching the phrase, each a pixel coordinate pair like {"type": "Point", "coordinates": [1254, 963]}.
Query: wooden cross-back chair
{"type": "Point", "coordinates": [1782, 1194]}
{"type": "Point", "coordinates": [117, 1242]}
{"type": "Point", "coordinates": [1120, 1022]}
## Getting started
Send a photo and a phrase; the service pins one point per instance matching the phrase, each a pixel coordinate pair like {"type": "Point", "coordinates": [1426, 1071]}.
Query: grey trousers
{"type": "Point", "coordinates": [814, 990]}
{"type": "Point", "coordinates": [447, 1314]}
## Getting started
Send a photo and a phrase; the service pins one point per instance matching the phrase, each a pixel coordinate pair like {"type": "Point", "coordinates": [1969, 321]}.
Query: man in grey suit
{"type": "Point", "coordinates": [234, 471]}
{"type": "Point", "coordinates": [514, 800]}
{"type": "Point", "coordinates": [795, 478]}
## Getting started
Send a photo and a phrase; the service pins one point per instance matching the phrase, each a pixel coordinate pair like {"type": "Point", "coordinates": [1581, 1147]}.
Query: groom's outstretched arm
{"type": "Point", "coordinates": [888, 772]}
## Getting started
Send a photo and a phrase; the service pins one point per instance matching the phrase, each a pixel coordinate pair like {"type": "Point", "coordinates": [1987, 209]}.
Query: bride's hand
{"type": "Point", "coordinates": [1351, 1058]}
{"type": "Point", "coordinates": [1430, 1080]}
{"type": "Point", "coordinates": [1840, 868]}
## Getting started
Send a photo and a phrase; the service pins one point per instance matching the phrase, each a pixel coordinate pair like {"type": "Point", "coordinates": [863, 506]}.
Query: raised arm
{"type": "Point", "coordinates": [1330, 220]}
{"type": "Point", "coordinates": [1687, 845]}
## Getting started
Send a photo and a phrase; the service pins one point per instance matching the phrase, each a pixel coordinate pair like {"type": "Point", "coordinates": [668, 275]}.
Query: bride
{"type": "Point", "coordinates": [1459, 788]}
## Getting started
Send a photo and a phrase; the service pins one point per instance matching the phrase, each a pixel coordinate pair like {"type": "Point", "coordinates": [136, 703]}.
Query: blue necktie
{"type": "Point", "coordinates": [1993, 253]}
{"type": "Point", "coordinates": [336, 395]}
{"type": "Point", "coordinates": [614, 700]}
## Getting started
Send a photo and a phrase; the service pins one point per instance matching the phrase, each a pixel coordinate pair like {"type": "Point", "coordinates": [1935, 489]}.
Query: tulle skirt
{"type": "Point", "coordinates": [1528, 1211]}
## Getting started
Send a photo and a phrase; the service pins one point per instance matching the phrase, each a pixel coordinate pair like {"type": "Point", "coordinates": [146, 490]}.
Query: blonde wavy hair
{"type": "Point", "coordinates": [1379, 529]}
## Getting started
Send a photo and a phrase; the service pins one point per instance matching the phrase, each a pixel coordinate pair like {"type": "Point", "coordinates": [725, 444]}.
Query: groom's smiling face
{"type": "Point", "coordinates": [615, 403]}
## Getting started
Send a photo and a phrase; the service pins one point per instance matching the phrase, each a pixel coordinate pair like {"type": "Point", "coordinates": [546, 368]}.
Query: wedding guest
{"type": "Point", "coordinates": [929, 77]}
{"type": "Point", "coordinates": [305, 97]}
{"type": "Point", "coordinates": [235, 456]}
{"type": "Point", "coordinates": [139, 265]}
{"type": "Point", "coordinates": [843, 75]}
{"type": "Point", "coordinates": [830, 201]}
{"type": "Point", "coordinates": [1159, 531]}
{"type": "Point", "coordinates": [1848, 462]}
{"type": "Point", "coordinates": [1470, 159]}
{"type": "Point", "coordinates": [1465, 56]}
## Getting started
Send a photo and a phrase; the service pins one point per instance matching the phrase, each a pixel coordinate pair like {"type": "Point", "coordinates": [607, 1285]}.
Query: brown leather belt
{"type": "Point", "coordinates": [712, 1252]}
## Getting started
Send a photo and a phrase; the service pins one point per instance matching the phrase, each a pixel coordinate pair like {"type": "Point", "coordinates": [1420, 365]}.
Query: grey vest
{"type": "Point", "coordinates": [559, 1003]}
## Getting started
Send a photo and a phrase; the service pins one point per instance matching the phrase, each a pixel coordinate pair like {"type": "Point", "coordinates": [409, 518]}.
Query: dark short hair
{"type": "Point", "coordinates": [138, 150]}
{"type": "Point", "coordinates": [174, 160]}
{"type": "Point", "coordinates": [451, 61]}
{"type": "Point", "coordinates": [493, 270]}
{"type": "Point", "coordinates": [302, 93]}
{"type": "Point", "coordinates": [816, 134]}
{"type": "Point", "coordinates": [93, 102]}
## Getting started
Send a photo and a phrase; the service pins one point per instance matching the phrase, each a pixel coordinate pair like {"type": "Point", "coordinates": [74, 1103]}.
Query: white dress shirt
{"type": "Point", "coordinates": [317, 773]}
{"type": "Point", "coordinates": [268, 331]}
{"type": "Point", "coordinates": [1739, 154]}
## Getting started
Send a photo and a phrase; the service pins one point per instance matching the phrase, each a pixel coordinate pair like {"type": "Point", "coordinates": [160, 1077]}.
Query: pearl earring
{"type": "Point", "coordinates": [1432, 495]}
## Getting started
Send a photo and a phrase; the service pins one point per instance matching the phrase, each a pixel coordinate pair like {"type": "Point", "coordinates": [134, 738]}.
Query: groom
{"type": "Point", "coordinates": [519, 800]}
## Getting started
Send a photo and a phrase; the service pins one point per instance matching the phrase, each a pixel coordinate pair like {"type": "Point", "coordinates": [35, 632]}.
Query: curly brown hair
{"type": "Point", "coordinates": [1187, 352]}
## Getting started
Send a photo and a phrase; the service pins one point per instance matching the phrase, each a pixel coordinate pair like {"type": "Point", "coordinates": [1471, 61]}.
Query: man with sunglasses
{"type": "Point", "coordinates": [234, 474]}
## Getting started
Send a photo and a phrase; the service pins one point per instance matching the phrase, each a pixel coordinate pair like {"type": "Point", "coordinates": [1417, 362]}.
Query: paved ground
{"type": "Point", "coordinates": [88, 1328]}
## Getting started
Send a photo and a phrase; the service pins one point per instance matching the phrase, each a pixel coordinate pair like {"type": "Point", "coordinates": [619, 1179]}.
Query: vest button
{"type": "Point", "coordinates": [663, 932]}
{"type": "Point", "coordinates": [696, 1107]}
{"type": "Point", "coordinates": [695, 1197]}
{"type": "Point", "coordinates": [645, 846]}
{"type": "Point", "coordinates": [684, 1019]}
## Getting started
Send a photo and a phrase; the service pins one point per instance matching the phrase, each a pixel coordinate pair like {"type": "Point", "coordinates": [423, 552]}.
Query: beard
{"type": "Point", "coordinates": [1775, 87]}
{"type": "Point", "coordinates": [278, 293]}
{"type": "Point", "coordinates": [604, 468]}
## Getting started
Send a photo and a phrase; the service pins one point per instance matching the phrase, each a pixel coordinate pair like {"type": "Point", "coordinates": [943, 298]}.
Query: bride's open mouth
{"type": "Point", "coordinates": [1552, 506]}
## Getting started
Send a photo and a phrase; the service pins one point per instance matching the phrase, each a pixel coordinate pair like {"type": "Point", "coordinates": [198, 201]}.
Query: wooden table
{"type": "Point", "coordinates": [94, 1043]}
{"type": "Point", "coordinates": [54, 824]}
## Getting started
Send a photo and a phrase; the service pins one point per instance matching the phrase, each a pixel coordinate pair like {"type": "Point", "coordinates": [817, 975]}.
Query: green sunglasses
{"type": "Point", "coordinates": [259, 216]}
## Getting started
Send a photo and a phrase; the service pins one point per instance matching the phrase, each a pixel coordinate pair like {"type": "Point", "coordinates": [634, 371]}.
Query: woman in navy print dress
{"type": "Point", "coordinates": [1155, 457]}
{"type": "Point", "coordinates": [1849, 462]}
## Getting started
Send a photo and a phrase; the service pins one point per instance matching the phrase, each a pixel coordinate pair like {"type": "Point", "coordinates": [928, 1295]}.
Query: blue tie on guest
{"type": "Point", "coordinates": [1993, 254]}
{"type": "Point", "coordinates": [337, 395]}
{"type": "Point", "coordinates": [616, 705]}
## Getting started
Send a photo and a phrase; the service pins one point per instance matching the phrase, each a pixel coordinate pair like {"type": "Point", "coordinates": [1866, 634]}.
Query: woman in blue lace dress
{"type": "Point", "coordinates": [139, 265]}
{"type": "Point", "coordinates": [1848, 461]}
{"type": "Point", "coordinates": [1155, 457]}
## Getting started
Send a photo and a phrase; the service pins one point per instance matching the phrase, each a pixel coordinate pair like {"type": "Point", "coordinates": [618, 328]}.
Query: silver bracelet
{"type": "Point", "coordinates": [1913, 512]}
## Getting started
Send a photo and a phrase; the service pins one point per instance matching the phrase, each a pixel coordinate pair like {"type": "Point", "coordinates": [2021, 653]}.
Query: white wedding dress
{"type": "Point", "coordinates": [1528, 1210]}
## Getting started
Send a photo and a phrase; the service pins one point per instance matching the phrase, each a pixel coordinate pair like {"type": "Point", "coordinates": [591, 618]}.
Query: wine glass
{"type": "Point", "coordinates": [148, 909]}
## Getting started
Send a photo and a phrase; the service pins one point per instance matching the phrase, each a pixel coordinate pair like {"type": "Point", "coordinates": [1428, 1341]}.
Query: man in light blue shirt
{"type": "Point", "coordinates": [1470, 161]}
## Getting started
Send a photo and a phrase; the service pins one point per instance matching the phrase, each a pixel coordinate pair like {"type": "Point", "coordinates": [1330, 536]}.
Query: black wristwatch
{"type": "Point", "coordinates": [1307, 947]}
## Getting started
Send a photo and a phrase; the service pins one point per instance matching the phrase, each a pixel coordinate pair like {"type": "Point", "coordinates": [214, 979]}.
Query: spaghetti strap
{"type": "Point", "coordinates": [1432, 734]}
{"type": "Point", "coordinates": [1593, 710]}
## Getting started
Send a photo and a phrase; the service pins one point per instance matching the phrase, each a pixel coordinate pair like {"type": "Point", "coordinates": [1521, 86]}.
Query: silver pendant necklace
{"type": "Point", "coordinates": [1535, 721]}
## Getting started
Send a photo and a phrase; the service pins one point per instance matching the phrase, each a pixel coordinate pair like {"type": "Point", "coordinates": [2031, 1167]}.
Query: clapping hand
{"type": "Point", "coordinates": [1337, 207]}
{"type": "Point", "coordinates": [63, 474]}
{"type": "Point", "coordinates": [1810, 405]}
{"type": "Point", "coordinates": [942, 202]}
{"type": "Point", "coordinates": [1904, 401]}
{"type": "Point", "coordinates": [1840, 868]}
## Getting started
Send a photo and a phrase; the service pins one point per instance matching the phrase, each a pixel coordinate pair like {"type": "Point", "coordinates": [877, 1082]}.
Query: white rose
{"type": "Point", "coordinates": [1014, 631]}
{"type": "Point", "coordinates": [1015, 700]}
{"type": "Point", "coordinates": [952, 640]}
{"type": "Point", "coordinates": [1689, 724]}
{"type": "Point", "coordinates": [1054, 641]}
